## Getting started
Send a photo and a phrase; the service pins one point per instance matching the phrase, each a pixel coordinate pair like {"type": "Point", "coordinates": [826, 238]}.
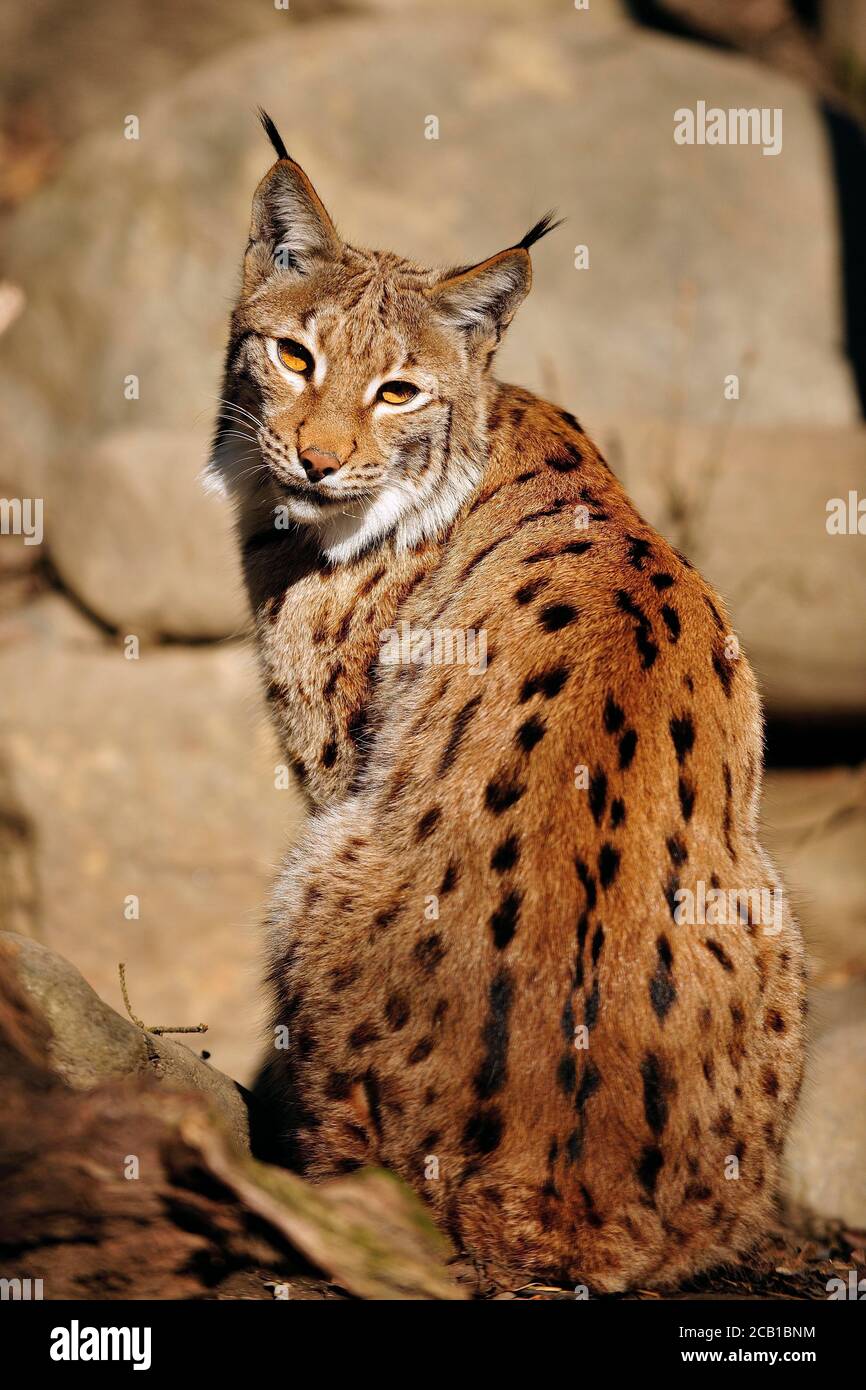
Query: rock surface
{"type": "Point", "coordinates": [825, 1156]}
{"type": "Point", "coordinates": [134, 537]}
{"type": "Point", "coordinates": [90, 1043]}
{"type": "Point", "coordinates": [129, 1189]}
{"type": "Point", "coordinates": [151, 779]}
{"type": "Point", "coordinates": [815, 831]}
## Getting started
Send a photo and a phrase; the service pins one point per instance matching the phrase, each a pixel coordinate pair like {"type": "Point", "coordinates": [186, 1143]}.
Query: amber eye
{"type": "Point", "coordinates": [294, 356]}
{"type": "Point", "coordinates": [396, 392]}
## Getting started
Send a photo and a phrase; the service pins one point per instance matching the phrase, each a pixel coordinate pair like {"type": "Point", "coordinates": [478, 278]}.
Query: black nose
{"type": "Point", "coordinates": [317, 464]}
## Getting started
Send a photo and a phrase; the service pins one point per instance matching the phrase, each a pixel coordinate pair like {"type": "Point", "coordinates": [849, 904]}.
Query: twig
{"type": "Point", "coordinates": [156, 1029]}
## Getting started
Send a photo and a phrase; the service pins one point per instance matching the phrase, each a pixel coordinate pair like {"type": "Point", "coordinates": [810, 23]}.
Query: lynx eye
{"type": "Point", "coordinates": [397, 392]}
{"type": "Point", "coordinates": [294, 356]}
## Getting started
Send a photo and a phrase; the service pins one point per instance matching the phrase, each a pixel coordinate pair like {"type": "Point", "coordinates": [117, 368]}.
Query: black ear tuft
{"type": "Point", "coordinates": [273, 135]}
{"type": "Point", "coordinates": [544, 225]}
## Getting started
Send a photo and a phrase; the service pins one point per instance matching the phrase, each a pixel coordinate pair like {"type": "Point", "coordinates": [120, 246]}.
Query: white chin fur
{"type": "Point", "coordinates": [396, 511]}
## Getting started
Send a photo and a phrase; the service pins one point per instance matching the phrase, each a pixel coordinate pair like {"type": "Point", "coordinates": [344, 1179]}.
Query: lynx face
{"type": "Point", "coordinates": [355, 375]}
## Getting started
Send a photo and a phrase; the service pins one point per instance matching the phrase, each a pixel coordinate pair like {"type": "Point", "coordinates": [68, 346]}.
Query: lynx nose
{"type": "Point", "coordinates": [317, 464]}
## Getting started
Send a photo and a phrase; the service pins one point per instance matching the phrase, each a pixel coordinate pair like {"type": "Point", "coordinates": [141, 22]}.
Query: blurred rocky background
{"type": "Point", "coordinates": [141, 808]}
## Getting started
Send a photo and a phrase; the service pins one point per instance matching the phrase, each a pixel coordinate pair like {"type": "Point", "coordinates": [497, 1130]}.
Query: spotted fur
{"type": "Point", "coordinates": [474, 948]}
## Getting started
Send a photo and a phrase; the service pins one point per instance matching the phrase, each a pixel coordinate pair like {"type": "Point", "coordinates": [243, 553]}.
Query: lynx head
{"type": "Point", "coordinates": [356, 382]}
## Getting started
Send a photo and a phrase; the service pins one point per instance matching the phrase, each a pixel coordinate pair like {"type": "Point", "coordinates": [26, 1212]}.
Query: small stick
{"type": "Point", "coordinates": [157, 1030]}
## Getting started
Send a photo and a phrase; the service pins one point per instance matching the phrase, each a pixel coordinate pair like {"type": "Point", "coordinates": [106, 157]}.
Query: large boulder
{"type": "Point", "coordinates": [690, 271]}
{"type": "Point", "coordinates": [825, 1156]}
{"type": "Point", "coordinates": [814, 827]}
{"type": "Point", "coordinates": [134, 538]}
{"type": "Point", "coordinates": [141, 820]}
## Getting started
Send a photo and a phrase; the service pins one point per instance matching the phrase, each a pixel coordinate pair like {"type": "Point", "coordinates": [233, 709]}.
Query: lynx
{"type": "Point", "coordinates": [478, 951]}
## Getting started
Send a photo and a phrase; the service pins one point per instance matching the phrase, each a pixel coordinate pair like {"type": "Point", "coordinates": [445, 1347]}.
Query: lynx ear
{"type": "Point", "coordinates": [485, 297]}
{"type": "Point", "coordinates": [289, 219]}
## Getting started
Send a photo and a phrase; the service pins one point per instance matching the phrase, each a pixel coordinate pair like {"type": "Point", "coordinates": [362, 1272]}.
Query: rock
{"type": "Point", "coordinates": [814, 828]}
{"type": "Point", "coordinates": [825, 1156]}
{"type": "Point", "coordinates": [749, 508]}
{"type": "Point", "coordinates": [129, 1189]}
{"type": "Point", "coordinates": [143, 787]}
{"type": "Point", "coordinates": [137, 540]}
{"type": "Point", "coordinates": [91, 1044]}
{"type": "Point", "coordinates": [690, 272]}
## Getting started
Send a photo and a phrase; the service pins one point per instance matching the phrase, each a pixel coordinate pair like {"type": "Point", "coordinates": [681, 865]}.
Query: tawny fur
{"type": "Point", "coordinates": [473, 952]}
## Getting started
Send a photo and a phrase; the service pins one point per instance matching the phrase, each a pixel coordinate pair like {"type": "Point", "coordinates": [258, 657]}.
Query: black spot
{"type": "Point", "coordinates": [396, 1012]}
{"type": "Point", "coordinates": [598, 796]}
{"type": "Point", "coordinates": [504, 920]}
{"type": "Point", "coordinates": [588, 882]}
{"type": "Point", "coordinates": [590, 1013]}
{"type": "Point", "coordinates": [608, 864]}
{"type": "Point", "coordinates": [672, 621]}
{"type": "Point", "coordinates": [661, 581]}
{"type": "Point", "coordinates": [627, 746]}
{"type": "Point", "coordinates": [548, 684]}
{"type": "Point", "coordinates": [571, 421]}
{"type": "Point", "coordinates": [501, 794]}
{"type": "Point", "coordinates": [421, 1051]}
{"type": "Point", "coordinates": [527, 592]}
{"type": "Point", "coordinates": [363, 1035]}
{"type": "Point", "coordinates": [492, 1072]}
{"type": "Point", "coordinates": [597, 943]}
{"type": "Point", "coordinates": [683, 736]}
{"type": "Point", "coordinates": [557, 616]}
{"type": "Point", "coordinates": [344, 975]}
{"type": "Point", "coordinates": [582, 928]}
{"type": "Point", "coordinates": [677, 851]}
{"type": "Point", "coordinates": [387, 916]}
{"type": "Point", "coordinates": [686, 793]}
{"type": "Point", "coordinates": [662, 989]}
{"type": "Point", "coordinates": [589, 1083]}
{"type": "Point", "coordinates": [655, 1086]}
{"type": "Point", "coordinates": [531, 731]}
{"type": "Point", "coordinates": [427, 824]}
{"type": "Point", "coordinates": [672, 887]}
{"type": "Point", "coordinates": [574, 1145]}
{"type": "Point", "coordinates": [614, 715]}
{"type": "Point", "coordinates": [638, 550]}
{"type": "Point", "coordinates": [720, 954]}
{"type": "Point", "coordinates": [724, 669]}
{"type": "Point", "coordinates": [617, 812]}
{"type": "Point", "coordinates": [566, 462]}
{"type": "Point", "coordinates": [651, 1163]}
{"type": "Point", "coordinates": [566, 1023]}
{"type": "Point", "coordinates": [566, 1073]}
{"type": "Point", "coordinates": [483, 1131]}
{"type": "Point", "coordinates": [329, 754]}
{"type": "Point", "coordinates": [770, 1082]}
{"type": "Point", "coordinates": [647, 648]}
{"type": "Point", "coordinates": [505, 855]}
{"type": "Point", "coordinates": [449, 879]}
{"type": "Point", "coordinates": [338, 1085]}
{"type": "Point", "coordinates": [459, 725]}
{"type": "Point", "coordinates": [429, 952]}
